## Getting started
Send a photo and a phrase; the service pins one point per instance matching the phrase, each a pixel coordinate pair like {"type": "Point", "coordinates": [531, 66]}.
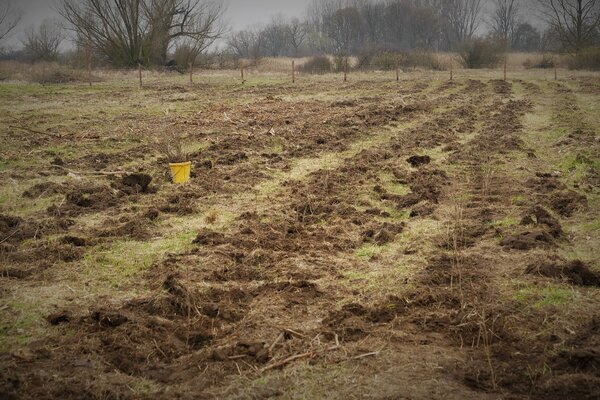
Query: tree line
{"type": "Point", "coordinates": [125, 33]}
{"type": "Point", "coordinates": [349, 27]}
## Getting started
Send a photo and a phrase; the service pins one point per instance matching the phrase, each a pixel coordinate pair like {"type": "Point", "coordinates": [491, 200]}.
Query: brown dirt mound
{"type": "Point", "coordinates": [137, 182]}
{"type": "Point", "coordinates": [539, 216]}
{"type": "Point", "coordinates": [75, 241]}
{"type": "Point", "coordinates": [528, 240]}
{"type": "Point", "coordinates": [575, 272]}
{"type": "Point", "coordinates": [15, 229]}
{"type": "Point", "coordinates": [567, 202]}
{"type": "Point", "coordinates": [382, 233]}
{"type": "Point", "coordinates": [208, 237]}
{"type": "Point", "coordinates": [545, 183]}
{"type": "Point", "coordinates": [571, 386]}
{"type": "Point", "coordinates": [44, 189]}
{"type": "Point", "coordinates": [417, 161]}
{"type": "Point", "coordinates": [135, 228]}
{"type": "Point", "coordinates": [91, 197]}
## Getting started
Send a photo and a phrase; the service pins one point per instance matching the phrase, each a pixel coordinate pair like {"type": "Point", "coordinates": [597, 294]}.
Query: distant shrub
{"type": "Point", "coordinates": [385, 61]}
{"type": "Point", "coordinates": [545, 62]}
{"type": "Point", "coordinates": [481, 53]}
{"type": "Point", "coordinates": [225, 60]}
{"type": "Point", "coordinates": [423, 59]}
{"type": "Point", "coordinates": [57, 76]}
{"type": "Point", "coordinates": [317, 65]}
{"type": "Point", "coordinates": [365, 57]}
{"type": "Point", "coordinates": [585, 59]}
{"type": "Point", "coordinates": [341, 63]}
{"type": "Point", "coordinates": [373, 57]}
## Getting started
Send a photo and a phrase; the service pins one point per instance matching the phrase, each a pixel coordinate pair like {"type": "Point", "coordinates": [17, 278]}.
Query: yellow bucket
{"type": "Point", "coordinates": [181, 171]}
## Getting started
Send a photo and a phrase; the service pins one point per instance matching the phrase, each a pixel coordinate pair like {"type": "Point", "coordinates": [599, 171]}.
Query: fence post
{"type": "Point", "coordinates": [505, 62]}
{"type": "Point", "coordinates": [242, 71]}
{"type": "Point", "coordinates": [89, 67]}
{"type": "Point", "coordinates": [346, 70]}
{"type": "Point", "coordinates": [555, 72]}
{"type": "Point", "coordinates": [451, 70]}
{"type": "Point", "coordinates": [140, 74]}
{"type": "Point", "coordinates": [293, 71]}
{"type": "Point", "coordinates": [191, 67]}
{"type": "Point", "coordinates": [397, 71]}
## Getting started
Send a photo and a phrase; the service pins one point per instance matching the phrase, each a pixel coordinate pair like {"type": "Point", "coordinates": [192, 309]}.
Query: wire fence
{"type": "Point", "coordinates": [286, 70]}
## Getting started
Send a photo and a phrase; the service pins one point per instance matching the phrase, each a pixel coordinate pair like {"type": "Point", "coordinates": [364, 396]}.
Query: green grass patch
{"type": "Point", "coordinates": [123, 260]}
{"type": "Point", "coordinates": [368, 251]}
{"type": "Point", "coordinates": [20, 322]}
{"type": "Point", "coordinates": [506, 222]}
{"type": "Point", "coordinates": [551, 295]}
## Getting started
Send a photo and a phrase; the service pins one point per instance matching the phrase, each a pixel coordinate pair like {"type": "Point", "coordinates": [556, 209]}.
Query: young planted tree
{"type": "Point", "coordinates": [576, 22]}
{"type": "Point", "coordinates": [42, 44]}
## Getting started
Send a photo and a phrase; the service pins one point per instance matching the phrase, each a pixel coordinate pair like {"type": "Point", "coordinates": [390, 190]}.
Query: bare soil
{"type": "Point", "coordinates": [367, 240]}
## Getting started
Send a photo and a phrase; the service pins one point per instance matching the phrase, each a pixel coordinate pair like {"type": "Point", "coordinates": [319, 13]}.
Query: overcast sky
{"type": "Point", "coordinates": [240, 13]}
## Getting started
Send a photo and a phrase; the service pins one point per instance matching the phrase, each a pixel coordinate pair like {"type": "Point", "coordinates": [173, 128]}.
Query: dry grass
{"type": "Point", "coordinates": [41, 72]}
{"type": "Point", "coordinates": [15, 71]}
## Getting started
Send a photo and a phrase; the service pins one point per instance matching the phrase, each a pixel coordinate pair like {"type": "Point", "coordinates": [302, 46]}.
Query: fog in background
{"type": "Point", "coordinates": [240, 13]}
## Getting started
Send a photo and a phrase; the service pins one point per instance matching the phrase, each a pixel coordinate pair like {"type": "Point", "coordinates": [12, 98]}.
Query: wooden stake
{"type": "Point", "coordinates": [345, 70]}
{"type": "Point", "coordinates": [505, 62]}
{"type": "Point", "coordinates": [293, 71]}
{"type": "Point", "coordinates": [140, 74]}
{"type": "Point", "coordinates": [397, 72]}
{"type": "Point", "coordinates": [451, 70]}
{"type": "Point", "coordinates": [555, 72]}
{"type": "Point", "coordinates": [89, 68]}
{"type": "Point", "coordinates": [242, 71]}
{"type": "Point", "coordinates": [191, 66]}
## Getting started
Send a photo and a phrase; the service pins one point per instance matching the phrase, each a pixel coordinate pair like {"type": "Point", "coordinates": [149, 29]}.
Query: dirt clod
{"type": "Point", "coordinates": [208, 237]}
{"type": "Point", "coordinates": [567, 202]}
{"type": "Point", "coordinates": [108, 318]}
{"type": "Point", "coordinates": [576, 272]}
{"type": "Point", "coordinates": [138, 182]}
{"type": "Point", "coordinates": [417, 161]}
{"type": "Point", "coordinates": [528, 240]}
{"type": "Point", "coordinates": [58, 318]}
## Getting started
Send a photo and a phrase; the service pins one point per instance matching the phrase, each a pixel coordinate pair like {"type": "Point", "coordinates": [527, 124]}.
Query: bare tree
{"type": "Point", "coordinates": [10, 17]}
{"type": "Point", "coordinates": [297, 33]}
{"type": "Point", "coordinates": [193, 21]}
{"type": "Point", "coordinates": [132, 31]}
{"type": "Point", "coordinates": [505, 19]}
{"type": "Point", "coordinates": [247, 43]}
{"type": "Point", "coordinates": [276, 37]}
{"type": "Point", "coordinates": [575, 21]}
{"type": "Point", "coordinates": [464, 17]}
{"type": "Point", "coordinates": [43, 43]}
{"type": "Point", "coordinates": [344, 28]}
